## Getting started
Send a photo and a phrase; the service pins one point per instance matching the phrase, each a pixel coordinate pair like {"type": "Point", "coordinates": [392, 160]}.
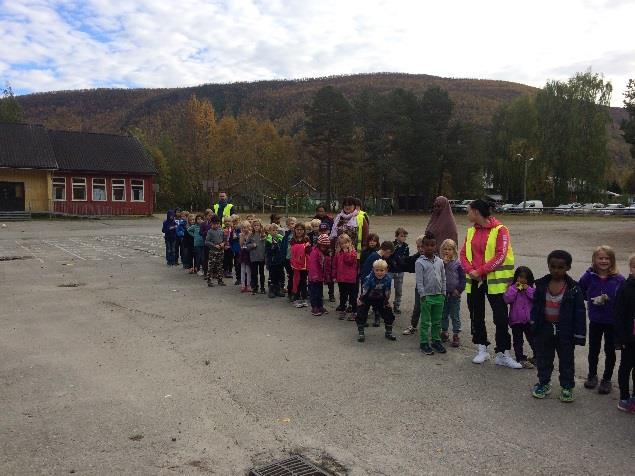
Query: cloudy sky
{"type": "Point", "coordinates": [54, 45]}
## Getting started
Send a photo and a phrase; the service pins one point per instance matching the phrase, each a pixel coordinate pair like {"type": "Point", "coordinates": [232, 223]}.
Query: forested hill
{"type": "Point", "coordinates": [111, 110]}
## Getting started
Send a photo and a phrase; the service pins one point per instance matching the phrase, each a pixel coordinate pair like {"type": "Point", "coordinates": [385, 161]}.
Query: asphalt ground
{"type": "Point", "coordinates": [113, 363]}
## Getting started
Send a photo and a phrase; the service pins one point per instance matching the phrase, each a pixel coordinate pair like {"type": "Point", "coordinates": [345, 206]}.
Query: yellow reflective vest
{"type": "Point", "coordinates": [498, 279]}
{"type": "Point", "coordinates": [360, 226]}
{"type": "Point", "coordinates": [227, 211]}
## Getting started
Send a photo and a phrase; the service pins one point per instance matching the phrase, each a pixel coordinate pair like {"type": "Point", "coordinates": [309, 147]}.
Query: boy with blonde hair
{"type": "Point", "coordinates": [376, 294]}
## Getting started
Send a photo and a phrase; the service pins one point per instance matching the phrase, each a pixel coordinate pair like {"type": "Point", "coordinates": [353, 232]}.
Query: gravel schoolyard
{"type": "Point", "coordinates": [113, 363]}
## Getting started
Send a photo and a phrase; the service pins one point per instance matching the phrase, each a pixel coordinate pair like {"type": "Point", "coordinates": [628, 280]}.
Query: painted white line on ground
{"type": "Point", "coordinates": [64, 250]}
{"type": "Point", "coordinates": [30, 251]}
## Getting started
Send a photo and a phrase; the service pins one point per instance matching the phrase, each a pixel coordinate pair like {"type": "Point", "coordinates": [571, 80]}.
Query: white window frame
{"type": "Point", "coordinates": [118, 185]}
{"type": "Point", "coordinates": [132, 189]}
{"type": "Point", "coordinates": [104, 185]}
{"type": "Point", "coordinates": [63, 199]}
{"type": "Point", "coordinates": [73, 189]}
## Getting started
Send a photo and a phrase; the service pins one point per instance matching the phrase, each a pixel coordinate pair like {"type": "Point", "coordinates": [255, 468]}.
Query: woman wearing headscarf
{"type": "Point", "coordinates": [442, 224]}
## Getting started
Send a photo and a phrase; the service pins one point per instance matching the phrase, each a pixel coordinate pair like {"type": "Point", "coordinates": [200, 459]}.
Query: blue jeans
{"type": "Point", "coordinates": [451, 309]}
{"type": "Point", "coordinates": [170, 251]}
{"type": "Point", "coordinates": [316, 295]}
{"type": "Point", "coordinates": [397, 279]}
{"type": "Point", "coordinates": [199, 256]}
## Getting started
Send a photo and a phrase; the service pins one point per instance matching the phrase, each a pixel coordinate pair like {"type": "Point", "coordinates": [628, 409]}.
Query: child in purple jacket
{"type": "Point", "coordinates": [600, 284]}
{"type": "Point", "coordinates": [454, 287]}
{"type": "Point", "coordinates": [520, 297]}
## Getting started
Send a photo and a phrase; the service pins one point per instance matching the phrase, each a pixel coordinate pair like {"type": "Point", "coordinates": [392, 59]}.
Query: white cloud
{"type": "Point", "coordinates": [52, 45]}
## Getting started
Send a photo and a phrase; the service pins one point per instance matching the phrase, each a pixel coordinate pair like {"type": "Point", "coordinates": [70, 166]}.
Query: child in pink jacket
{"type": "Point", "coordinates": [345, 268]}
{"type": "Point", "coordinates": [299, 247]}
{"type": "Point", "coordinates": [520, 297]}
{"type": "Point", "coordinates": [320, 272]}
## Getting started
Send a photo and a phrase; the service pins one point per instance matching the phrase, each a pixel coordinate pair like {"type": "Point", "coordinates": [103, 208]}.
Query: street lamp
{"type": "Point", "coordinates": [527, 160]}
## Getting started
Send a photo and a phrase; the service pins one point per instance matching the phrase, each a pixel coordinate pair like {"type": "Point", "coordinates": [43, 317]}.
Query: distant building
{"type": "Point", "coordinates": [73, 173]}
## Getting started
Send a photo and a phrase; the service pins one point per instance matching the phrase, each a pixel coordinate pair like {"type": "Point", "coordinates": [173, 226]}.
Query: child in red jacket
{"type": "Point", "coordinates": [320, 272]}
{"type": "Point", "coordinates": [300, 248]}
{"type": "Point", "coordinates": [345, 269]}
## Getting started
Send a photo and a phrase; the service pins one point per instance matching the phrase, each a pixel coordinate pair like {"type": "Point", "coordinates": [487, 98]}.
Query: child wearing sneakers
{"type": "Point", "coordinates": [520, 297]}
{"type": "Point", "coordinates": [375, 294]}
{"type": "Point", "coordinates": [274, 261]}
{"type": "Point", "coordinates": [395, 265]}
{"type": "Point", "coordinates": [430, 276]}
{"type": "Point", "coordinates": [345, 273]}
{"type": "Point", "coordinates": [324, 230]}
{"type": "Point", "coordinates": [625, 338]}
{"type": "Point", "coordinates": [454, 287]}
{"type": "Point", "coordinates": [558, 318]}
{"type": "Point", "coordinates": [599, 285]}
{"type": "Point", "coordinates": [216, 243]}
{"type": "Point", "coordinates": [243, 258]}
{"type": "Point", "coordinates": [384, 252]}
{"type": "Point", "coordinates": [320, 272]}
{"type": "Point", "coordinates": [299, 249]}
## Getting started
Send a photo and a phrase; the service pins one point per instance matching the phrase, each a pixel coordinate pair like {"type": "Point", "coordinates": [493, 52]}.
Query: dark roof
{"type": "Point", "coordinates": [25, 146]}
{"type": "Point", "coordinates": [91, 152]}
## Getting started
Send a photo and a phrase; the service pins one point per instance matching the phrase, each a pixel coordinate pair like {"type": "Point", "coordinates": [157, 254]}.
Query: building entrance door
{"type": "Point", "coordinates": [11, 196]}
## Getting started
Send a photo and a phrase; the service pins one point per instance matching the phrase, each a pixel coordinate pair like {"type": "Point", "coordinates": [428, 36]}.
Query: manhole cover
{"type": "Point", "coordinates": [294, 466]}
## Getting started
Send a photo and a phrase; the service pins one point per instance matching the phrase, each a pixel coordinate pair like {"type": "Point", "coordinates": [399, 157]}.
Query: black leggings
{"type": "Point", "coordinates": [596, 330]}
{"type": "Point", "coordinates": [257, 269]}
{"type": "Point", "coordinates": [348, 293]}
{"type": "Point", "coordinates": [627, 368]}
{"type": "Point", "coordinates": [476, 306]}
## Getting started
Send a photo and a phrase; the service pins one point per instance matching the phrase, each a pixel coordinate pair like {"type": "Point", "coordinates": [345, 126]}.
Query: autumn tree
{"type": "Point", "coordinates": [572, 134]}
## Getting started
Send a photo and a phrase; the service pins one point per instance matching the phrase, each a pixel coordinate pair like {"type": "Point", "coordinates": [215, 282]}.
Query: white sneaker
{"type": "Point", "coordinates": [482, 355]}
{"type": "Point", "coordinates": [304, 303]}
{"type": "Point", "coordinates": [507, 360]}
{"type": "Point", "coordinates": [200, 272]}
{"type": "Point", "coordinates": [297, 303]}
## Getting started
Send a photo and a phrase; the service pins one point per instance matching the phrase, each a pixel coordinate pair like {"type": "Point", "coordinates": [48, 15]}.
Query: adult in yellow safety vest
{"type": "Point", "coordinates": [353, 222]}
{"type": "Point", "coordinates": [488, 261]}
{"type": "Point", "coordinates": [222, 208]}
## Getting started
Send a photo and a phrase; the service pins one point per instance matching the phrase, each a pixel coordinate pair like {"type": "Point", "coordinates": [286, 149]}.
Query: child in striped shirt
{"type": "Point", "coordinates": [558, 318]}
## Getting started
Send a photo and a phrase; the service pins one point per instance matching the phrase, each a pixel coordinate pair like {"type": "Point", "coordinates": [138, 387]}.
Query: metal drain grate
{"type": "Point", "coordinates": [294, 466]}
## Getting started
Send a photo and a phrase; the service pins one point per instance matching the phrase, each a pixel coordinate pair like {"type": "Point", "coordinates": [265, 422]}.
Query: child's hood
{"type": "Point", "coordinates": [492, 222]}
{"type": "Point", "coordinates": [170, 215]}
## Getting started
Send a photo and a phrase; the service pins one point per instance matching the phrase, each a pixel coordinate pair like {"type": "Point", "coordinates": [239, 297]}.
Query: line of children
{"type": "Point", "coordinates": [549, 313]}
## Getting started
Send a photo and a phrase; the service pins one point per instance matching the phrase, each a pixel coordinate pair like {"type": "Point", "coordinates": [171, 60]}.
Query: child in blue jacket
{"type": "Point", "coordinates": [558, 319]}
{"type": "Point", "coordinates": [169, 234]}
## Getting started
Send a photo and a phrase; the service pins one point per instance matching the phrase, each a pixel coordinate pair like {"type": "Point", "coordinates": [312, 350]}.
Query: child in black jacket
{"type": "Point", "coordinates": [558, 318]}
{"type": "Point", "coordinates": [625, 337]}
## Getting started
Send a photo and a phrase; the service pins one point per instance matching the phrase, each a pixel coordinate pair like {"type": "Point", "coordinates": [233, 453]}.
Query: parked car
{"type": "Point", "coordinates": [567, 208]}
{"type": "Point", "coordinates": [505, 207]}
{"type": "Point", "coordinates": [630, 210]}
{"type": "Point", "coordinates": [531, 206]}
{"type": "Point", "coordinates": [589, 208]}
{"type": "Point", "coordinates": [453, 203]}
{"type": "Point", "coordinates": [462, 207]}
{"type": "Point", "coordinates": [613, 209]}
